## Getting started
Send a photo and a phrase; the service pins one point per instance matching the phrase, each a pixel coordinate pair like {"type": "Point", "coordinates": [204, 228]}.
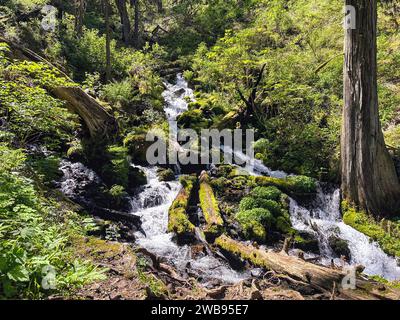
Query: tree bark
{"type": "Point", "coordinates": [98, 121]}
{"type": "Point", "coordinates": [315, 276]}
{"type": "Point", "coordinates": [108, 39]}
{"type": "Point", "coordinates": [80, 9]}
{"type": "Point", "coordinates": [125, 21]}
{"type": "Point", "coordinates": [369, 179]}
{"type": "Point", "coordinates": [136, 37]}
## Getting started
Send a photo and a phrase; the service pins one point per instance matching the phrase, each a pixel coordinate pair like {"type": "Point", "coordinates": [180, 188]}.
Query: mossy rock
{"type": "Point", "coordinates": [340, 247]}
{"type": "Point", "coordinates": [193, 119]}
{"type": "Point", "coordinates": [223, 170]}
{"type": "Point", "coordinates": [255, 223]}
{"type": "Point", "coordinates": [266, 193]}
{"type": "Point", "coordinates": [294, 184]}
{"type": "Point", "coordinates": [165, 175]}
{"type": "Point", "coordinates": [137, 178]}
{"type": "Point", "coordinates": [284, 226]}
{"type": "Point", "coordinates": [249, 203]}
{"type": "Point", "coordinates": [306, 242]}
{"type": "Point", "coordinates": [137, 146]}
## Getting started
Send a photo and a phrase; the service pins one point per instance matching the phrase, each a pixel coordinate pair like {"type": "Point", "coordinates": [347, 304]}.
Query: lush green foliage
{"type": "Point", "coordinates": [31, 113]}
{"type": "Point", "coordinates": [34, 235]}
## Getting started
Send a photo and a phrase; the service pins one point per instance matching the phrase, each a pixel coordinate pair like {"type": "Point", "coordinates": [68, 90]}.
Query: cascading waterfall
{"type": "Point", "coordinates": [153, 203]}
{"type": "Point", "coordinates": [324, 220]}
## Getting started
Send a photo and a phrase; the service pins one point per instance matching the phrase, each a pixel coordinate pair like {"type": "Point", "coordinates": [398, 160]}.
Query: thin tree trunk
{"type": "Point", "coordinates": [126, 23]}
{"type": "Point", "coordinates": [108, 40]}
{"type": "Point", "coordinates": [80, 9]}
{"type": "Point", "coordinates": [135, 4]}
{"type": "Point", "coordinates": [369, 179]}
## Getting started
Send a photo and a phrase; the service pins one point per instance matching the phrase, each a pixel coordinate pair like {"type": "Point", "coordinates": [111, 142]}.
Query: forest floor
{"type": "Point", "coordinates": [130, 277]}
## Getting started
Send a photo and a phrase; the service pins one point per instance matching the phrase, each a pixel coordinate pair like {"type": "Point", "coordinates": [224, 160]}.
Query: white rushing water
{"type": "Point", "coordinates": [153, 203]}
{"type": "Point", "coordinates": [326, 221]}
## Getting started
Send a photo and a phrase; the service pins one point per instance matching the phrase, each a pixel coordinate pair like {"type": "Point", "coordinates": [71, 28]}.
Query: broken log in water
{"type": "Point", "coordinates": [318, 277]}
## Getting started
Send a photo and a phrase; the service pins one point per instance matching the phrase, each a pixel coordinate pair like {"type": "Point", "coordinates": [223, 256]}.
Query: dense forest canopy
{"type": "Point", "coordinates": [82, 82]}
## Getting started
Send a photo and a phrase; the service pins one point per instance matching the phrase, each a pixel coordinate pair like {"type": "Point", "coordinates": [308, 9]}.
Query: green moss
{"type": "Point", "coordinates": [268, 193]}
{"type": "Point", "coordinates": [249, 203]}
{"type": "Point", "coordinates": [386, 233]}
{"type": "Point", "coordinates": [255, 223]}
{"type": "Point", "coordinates": [239, 249]}
{"type": "Point", "coordinates": [295, 184]}
{"type": "Point", "coordinates": [283, 225]}
{"type": "Point", "coordinates": [178, 221]}
{"type": "Point", "coordinates": [209, 206]}
{"type": "Point", "coordinates": [166, 175]}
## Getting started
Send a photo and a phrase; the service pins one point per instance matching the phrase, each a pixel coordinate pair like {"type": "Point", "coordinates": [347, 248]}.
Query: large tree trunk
{"type": "Point", "coordinates": [369, 179]}
{"type": "Point", "coordinates": [126, 23]}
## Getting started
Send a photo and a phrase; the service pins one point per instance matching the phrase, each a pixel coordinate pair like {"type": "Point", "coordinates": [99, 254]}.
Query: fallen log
{"type": "Point", "coordinates": [178, 220]}
{"type": "Point", "coordinates": [209, 206]}
{"type": "Point", "coordinates": [98, 121]}
{"type": "Point", "coordinates": [318, 277]}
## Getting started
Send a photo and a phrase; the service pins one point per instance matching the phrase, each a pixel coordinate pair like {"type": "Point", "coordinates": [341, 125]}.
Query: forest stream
{"type": "Point", "coordinates": [322, 219]}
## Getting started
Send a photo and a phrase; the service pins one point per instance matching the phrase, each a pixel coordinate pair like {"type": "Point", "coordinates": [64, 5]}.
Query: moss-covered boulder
{"type": "Point", "coordinates": [340, 247]}
{"type": "Point", "coordinates": [292, 184]}
{"type": "Point", "coordinates": [255, 223]}
{"type": "Point", "coordinates": [178, 220]}
{"type": "Point", "coordinates": [166, 175]}
{"type": "Point", "coordinates": [136, 178]}
{"type": "Point", "coordinates": [306, 242]}
{"type": "Point", "coordinates": [136, 145]}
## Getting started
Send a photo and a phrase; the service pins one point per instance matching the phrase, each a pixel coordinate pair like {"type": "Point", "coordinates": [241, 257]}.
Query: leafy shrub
{"type": "Point", "coordinates": [120, 93]}
{"type": "Point", "coordinates": [117, 194]}
{"type": "Point", "coordinates": [33, 238]}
